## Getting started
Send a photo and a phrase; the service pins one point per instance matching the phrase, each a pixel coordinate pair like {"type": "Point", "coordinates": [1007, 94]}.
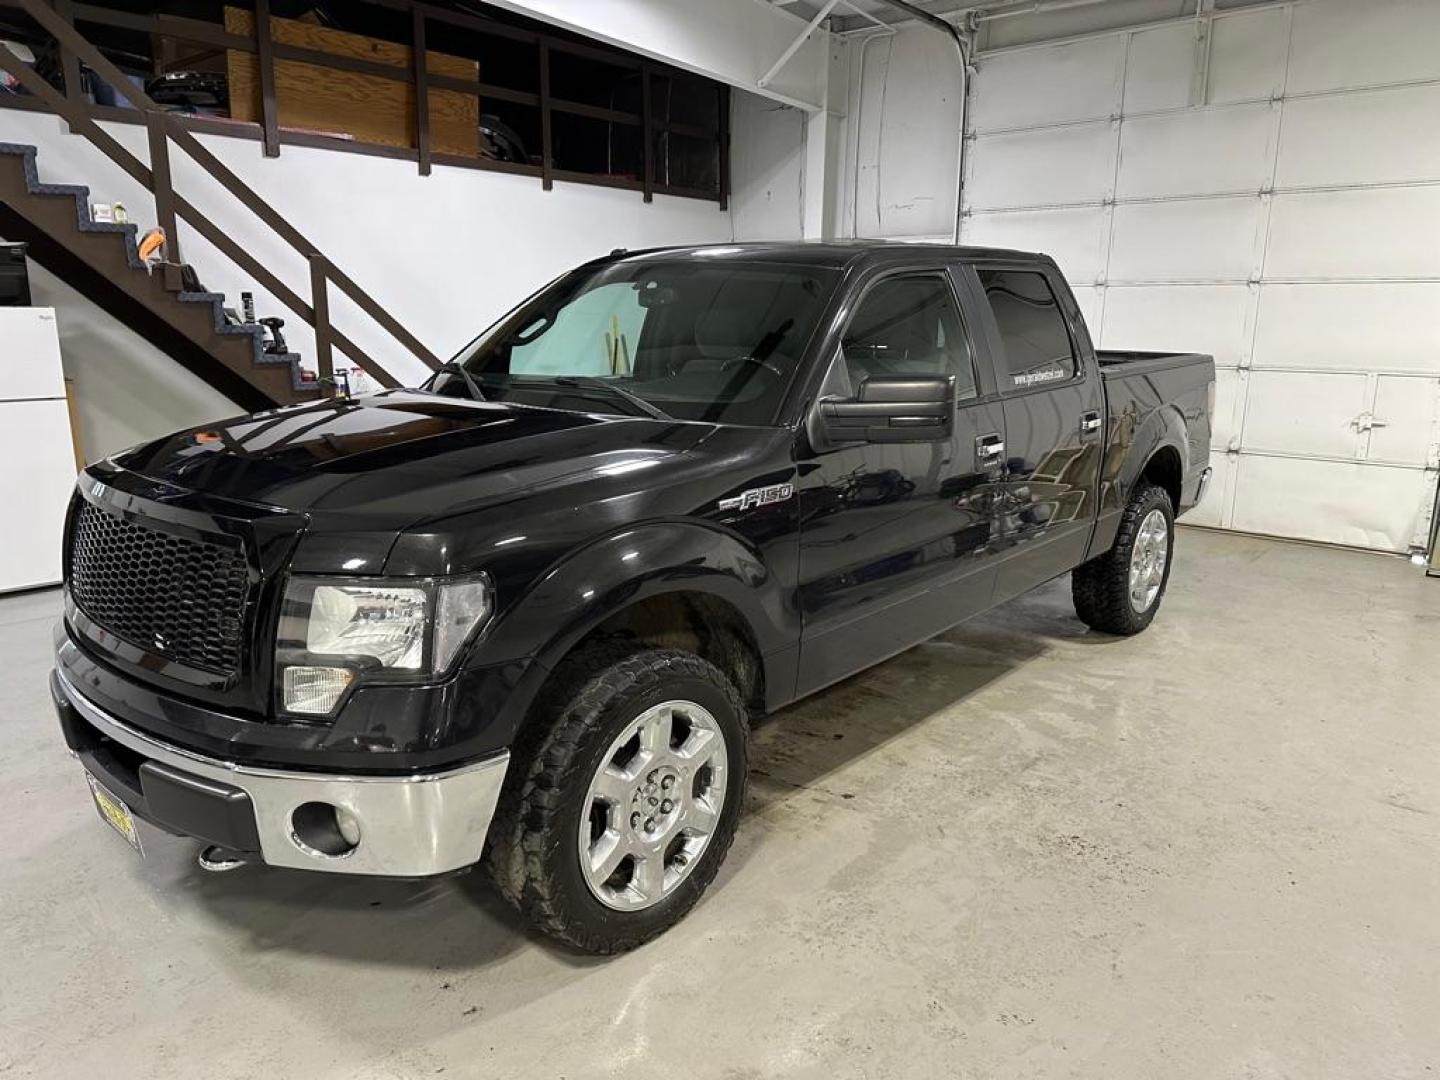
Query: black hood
{"type": "Point", "coordinates": [387, 462]}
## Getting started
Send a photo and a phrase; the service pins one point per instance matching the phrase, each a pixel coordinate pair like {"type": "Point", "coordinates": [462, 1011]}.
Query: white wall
{"type": "Point", "coordinates": [767, 168]}
{"type": "Point", "coordinates": [445, 254]}
{"type": "Point", "coordinates": [889, 166]}
{"type": "Point", "coordinates": [1264, 186]}
{"type": "Point", "coordinates": [904, 96]}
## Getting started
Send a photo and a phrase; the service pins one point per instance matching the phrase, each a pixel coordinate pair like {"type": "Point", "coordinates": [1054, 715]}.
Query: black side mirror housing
{"type": "Point", "coordinates": [893, 409]}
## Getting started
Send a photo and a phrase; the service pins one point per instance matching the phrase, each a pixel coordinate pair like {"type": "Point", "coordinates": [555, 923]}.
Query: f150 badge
{"type": "Point", "coordinates": [749, 500]}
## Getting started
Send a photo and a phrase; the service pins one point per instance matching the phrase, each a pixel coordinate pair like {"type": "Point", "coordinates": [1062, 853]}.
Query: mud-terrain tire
{"type": "Point", "coordinates": [535, 854]}
{"type": "Point", "coordinates": [1120, 591]}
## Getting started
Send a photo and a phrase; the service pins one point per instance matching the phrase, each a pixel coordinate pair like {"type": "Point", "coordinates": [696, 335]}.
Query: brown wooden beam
{"type": "Point", "coordinates": [265, 50]}
{"type": "Point", "coordinates": [422, 92]}
{"type": "Point", "coordinates": [647, 132]}
{"type": "Point", "coordinates": [547, 153]}
{"type": "Point", "coordinates": [320, 301]}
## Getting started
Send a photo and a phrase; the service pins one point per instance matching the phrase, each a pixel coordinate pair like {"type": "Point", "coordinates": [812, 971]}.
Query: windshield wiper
{"type": "Point", "coordinates": [589, 382]}
{"type": "Point", "coordinates": [450, 367]}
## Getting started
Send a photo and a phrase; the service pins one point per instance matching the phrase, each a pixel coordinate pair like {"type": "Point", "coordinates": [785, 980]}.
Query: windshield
{"type": "Point", "coordinates": [687, 338]}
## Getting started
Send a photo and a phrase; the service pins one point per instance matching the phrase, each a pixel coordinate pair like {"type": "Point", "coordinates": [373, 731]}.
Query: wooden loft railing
{"type": "Point", "coordinates": [430, 22]}
{"type": "Point", "coordinates": [164, 128]}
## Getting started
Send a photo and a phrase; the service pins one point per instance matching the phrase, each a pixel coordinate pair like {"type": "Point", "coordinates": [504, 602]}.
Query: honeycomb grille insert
{"type": "Point", "coordinates": [183, 599]}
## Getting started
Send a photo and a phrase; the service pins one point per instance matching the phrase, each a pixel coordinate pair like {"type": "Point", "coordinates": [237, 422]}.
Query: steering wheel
{"type": "Point", "coordinates": [748, 359]}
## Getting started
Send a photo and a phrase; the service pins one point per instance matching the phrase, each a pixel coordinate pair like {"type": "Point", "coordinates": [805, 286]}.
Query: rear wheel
{"type": "Point", "coordinates": [621, 816]}
{"type": "Point", "coordinates": [1119, 592]}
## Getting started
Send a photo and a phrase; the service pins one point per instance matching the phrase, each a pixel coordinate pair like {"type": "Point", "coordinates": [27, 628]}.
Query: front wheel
{"type": "Point", "coordinates": [1120, 591]}
{"type": "Point", "coordinates": [627, 806]}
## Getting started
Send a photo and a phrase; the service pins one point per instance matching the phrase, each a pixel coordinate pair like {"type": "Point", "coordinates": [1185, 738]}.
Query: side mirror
{"type": "Point", "coordinates": [893, 409]}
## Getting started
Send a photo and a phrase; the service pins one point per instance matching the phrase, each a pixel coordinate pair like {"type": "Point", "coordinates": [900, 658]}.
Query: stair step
{"type": "Point", "coordinates": [254, 330]}
{"type": "Point", "coordinates": [85, 223]}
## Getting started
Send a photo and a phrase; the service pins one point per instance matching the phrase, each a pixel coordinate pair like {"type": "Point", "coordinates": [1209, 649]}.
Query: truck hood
{"type": "Point", "coordinates": [382, 463]}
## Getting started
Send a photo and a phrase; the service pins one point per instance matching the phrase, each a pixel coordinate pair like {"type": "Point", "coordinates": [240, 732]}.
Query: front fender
{"type": "Point", "coordinates": [592, 584]}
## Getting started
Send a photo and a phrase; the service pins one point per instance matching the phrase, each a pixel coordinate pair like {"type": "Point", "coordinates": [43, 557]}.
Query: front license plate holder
{"type": "Point", "coordinates": [115, 813]}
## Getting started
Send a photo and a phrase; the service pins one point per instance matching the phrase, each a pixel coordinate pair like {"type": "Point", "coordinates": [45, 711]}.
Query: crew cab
{"type": "Point", "coordinates": [524, 615]}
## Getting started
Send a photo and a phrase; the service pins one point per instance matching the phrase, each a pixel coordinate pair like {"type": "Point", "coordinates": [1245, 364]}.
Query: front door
{"type": "Point", "coordinates": [1054, 422]}
{"type": "Point", "coordinates": [896, 538]}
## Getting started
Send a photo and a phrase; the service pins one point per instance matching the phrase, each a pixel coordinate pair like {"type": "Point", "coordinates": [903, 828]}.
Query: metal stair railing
{"type": "Point", "coordinates": [163, 128]}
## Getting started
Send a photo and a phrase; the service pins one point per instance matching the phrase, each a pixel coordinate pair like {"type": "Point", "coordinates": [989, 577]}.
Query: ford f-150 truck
{"type": "Point", "coordinates": [524, 615]}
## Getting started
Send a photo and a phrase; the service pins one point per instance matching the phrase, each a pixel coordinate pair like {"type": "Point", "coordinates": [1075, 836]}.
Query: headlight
{"type": "Point", "coordinates": [335, 631]}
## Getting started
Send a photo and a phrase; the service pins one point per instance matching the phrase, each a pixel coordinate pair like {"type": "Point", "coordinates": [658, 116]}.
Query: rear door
{"type": "Point", "coordinates": [1054, 405]}
{"type": "Point", "coordinates": [898, 540]}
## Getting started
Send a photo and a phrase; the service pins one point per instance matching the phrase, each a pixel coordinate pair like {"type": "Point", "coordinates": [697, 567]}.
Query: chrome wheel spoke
{"type": "Point", "coordinates": [655, 734]}
{"type": "Point", "coordinates": [612, 785]}
{"type": "Point", "coordinates": [649, 880]}
{"type": "Point", "coordinates": [701, 816]}
{"type": "Point", "coordinates": [696, 746]}
{"type": "Point", "coordinates": [606, 854]}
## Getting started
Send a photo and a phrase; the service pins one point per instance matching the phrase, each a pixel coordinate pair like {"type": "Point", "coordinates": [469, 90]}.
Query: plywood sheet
{"type": "Point", "coordinates": [363, 107]}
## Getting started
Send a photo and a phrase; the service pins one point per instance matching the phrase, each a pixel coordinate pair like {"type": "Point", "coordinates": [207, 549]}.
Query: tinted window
{"type": "Point", "coordinates": [699, 338]}
{"type": "Point", "coordinates": [1032, 328]}
{"type": "Point", "coordinates": [909, 325]}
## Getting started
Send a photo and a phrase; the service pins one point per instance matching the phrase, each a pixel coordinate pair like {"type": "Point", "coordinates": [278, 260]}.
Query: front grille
{"type": "Point", "coordinates": [181, 598]}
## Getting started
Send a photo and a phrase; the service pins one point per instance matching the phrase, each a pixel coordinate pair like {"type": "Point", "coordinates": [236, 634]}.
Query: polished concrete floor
{"type": "Point", "coordinates": [1021, 850]}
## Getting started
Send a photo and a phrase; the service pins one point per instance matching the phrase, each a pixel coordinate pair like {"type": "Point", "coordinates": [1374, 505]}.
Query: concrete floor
{"type": "Point", "coordinates": [1021, 850]}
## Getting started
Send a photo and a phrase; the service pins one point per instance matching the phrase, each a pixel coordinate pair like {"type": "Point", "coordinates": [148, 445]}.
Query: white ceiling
{"type": "Point", "coordinates": [1008, 22]}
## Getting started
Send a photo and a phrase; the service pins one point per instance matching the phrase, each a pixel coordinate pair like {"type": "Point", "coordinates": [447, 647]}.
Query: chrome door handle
{"type": "Point", "coordinates": [1090, 422]}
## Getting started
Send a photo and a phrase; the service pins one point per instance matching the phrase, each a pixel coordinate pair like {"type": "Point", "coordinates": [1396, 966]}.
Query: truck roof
{"type": "Point", "coordinates": [834, 253]}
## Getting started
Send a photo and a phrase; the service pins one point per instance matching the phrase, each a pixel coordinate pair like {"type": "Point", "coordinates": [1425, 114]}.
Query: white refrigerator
{"type": "Point", "coordinates": [37, 456]}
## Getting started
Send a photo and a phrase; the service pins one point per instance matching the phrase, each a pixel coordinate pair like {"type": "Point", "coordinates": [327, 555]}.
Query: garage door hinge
{"type": "Point", "coordinates": [1366, 422]}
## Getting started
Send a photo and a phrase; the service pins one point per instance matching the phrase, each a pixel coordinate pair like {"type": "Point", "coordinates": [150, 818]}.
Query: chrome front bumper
{"type": "Point", "coordinates": [409, 826]}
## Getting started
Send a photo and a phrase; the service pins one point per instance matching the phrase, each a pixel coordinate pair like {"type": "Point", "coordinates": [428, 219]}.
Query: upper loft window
{"type": "Point", "coordinates": [500, 91]}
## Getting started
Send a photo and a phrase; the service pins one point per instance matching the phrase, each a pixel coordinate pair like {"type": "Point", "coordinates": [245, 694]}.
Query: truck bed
{"type": "Point", "coordinates": [1121, 363]}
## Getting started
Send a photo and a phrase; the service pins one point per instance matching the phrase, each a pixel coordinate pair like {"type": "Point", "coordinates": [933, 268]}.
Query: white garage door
{"type": "Point", "coordinates": [1264, 186]}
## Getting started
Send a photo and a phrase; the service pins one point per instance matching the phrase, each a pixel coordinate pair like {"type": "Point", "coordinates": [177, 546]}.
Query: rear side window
{"type": "Point", "coordinates": [1032, 328]}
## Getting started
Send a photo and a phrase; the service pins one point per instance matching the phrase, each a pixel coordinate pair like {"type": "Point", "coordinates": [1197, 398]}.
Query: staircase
{"type": "Point", "coordinates": [100, 261]}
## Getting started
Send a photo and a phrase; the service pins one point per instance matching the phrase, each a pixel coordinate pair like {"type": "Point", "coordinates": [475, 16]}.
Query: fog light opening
{"type": "Point", "coordinates": [324, 830]}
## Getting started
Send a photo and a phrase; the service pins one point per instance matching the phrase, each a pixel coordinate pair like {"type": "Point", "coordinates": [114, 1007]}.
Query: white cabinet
{"type": "Point", "coordinates": [37, 460]}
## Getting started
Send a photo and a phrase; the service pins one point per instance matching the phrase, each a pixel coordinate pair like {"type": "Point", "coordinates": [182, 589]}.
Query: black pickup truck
{"type": "Point", "coordinates": [524, 615]}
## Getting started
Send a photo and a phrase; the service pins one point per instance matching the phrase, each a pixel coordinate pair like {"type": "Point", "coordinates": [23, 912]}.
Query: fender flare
{"type": "Point", "coordinates": [612, 573]}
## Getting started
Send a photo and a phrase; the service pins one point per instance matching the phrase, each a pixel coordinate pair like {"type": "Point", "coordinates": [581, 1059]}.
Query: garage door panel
{"type": "Point", "coordinates": [1200, 240]}
{"type": "Point", "coordinates": [1212, 509]}
{"type": "Point", "coordinates": [1381, 232]}
{"type": "Point", "coordinates": [1092, 304]}
{"type": "Point", "coordinates": [1356, 326]}
{"type": "Point", "coordinates": [1338, 43]}
{"type": "Point", "coordinates": [1179, 318]}
{"type": "Point", "coordinates": [1389, 136]}
{"type": "Point", "coordinates": [1303, 412]}
{"type": "Point", "coordinates": [1048, 85]}
{"type": "Point", "coordinates": [1229, 407]}
{"type": "Point", "coordinates": [1051, 166]}
{"type": "Point", "coordinates": [1075, 237]}
{"type": "Point", "coordinates": [1407, 418]}
{"type": "Point", "coordinates": [1281, 214]}
{"type": "Point", "coordinates": [1247, 56]}
{"type": "Point", "coordinates": [1199, 152]}
{"type": "Point", "coordinates": [1335, 502]}
{"type": "Point", "coordinates": [1160, 69]}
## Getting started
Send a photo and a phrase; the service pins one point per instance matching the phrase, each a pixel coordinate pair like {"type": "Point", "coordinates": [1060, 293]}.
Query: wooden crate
{"type": "Point", "coordinates": [346, 103]}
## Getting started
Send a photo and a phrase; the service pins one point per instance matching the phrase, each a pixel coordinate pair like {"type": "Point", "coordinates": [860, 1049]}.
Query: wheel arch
{"type": "Point", "coordinates": [666, 585]}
